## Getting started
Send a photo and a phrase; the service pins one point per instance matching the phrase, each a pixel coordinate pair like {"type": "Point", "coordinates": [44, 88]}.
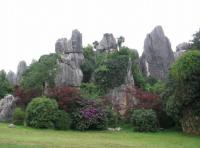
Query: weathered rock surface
{"type": "Point", "coordinates": [71, 52]}
{"type": "Point", "coordinates": [129, 77]}
{"type": "Point", "coordinates": [157, 55]}
{"type": "Point", "coordinates": [180, 49]}
{"type": "Point", "coordinates": [20, 71]}
{"type": "Point", "coordinates": [108, 43]}
{"type": "Point", "coordinates": [11, 78]}
{"type": "Point", "coordinates": [7, 107]}
{"type": "Point", "coordinates": [121, 99]}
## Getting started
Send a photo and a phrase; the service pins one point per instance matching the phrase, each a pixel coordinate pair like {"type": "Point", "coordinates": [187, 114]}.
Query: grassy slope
{"type": "Point", "coordinates": [22, 137]}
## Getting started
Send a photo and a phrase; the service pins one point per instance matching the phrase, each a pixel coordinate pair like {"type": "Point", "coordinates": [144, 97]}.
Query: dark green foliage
{"type": "Point", "coordinates": [5, 87]}
{"type": "Point", "coordinates": [112, 117]}
{"type": "Point", "coordinates": [156, 88]}
{"type": "Point", "coordinates": [144, 120]}
{"type": "Point", "coordinates": [196, 41]}
{"type": "Point", "coordinates": [137, 74]}
{"type": "Point", "coordinates": [40, 72]}
{"type": "Point", "coordinates": [165, 121]}
{"type": "Point", "coordinates": [89, 64]}
{"type": "Point", "coordinates": [18, 116]}
{"type": "Point", "coordinates": [90, 91]}
{"type": "Point", "coordinates": [62, 121]}
{"type": "Point", "coordinates": [41, 113]}
{"type": "Point", "coordinates": [113, 73]}
{"type": "Point", "coordinates": [183, 86]}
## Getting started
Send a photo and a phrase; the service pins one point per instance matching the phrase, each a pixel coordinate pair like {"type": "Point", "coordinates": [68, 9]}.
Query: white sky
{"type": "Point", "coordinates": [30, 28]}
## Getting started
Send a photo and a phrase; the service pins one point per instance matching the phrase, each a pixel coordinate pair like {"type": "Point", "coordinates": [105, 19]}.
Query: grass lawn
{"type": "Point", "coordinates": [23, 137]}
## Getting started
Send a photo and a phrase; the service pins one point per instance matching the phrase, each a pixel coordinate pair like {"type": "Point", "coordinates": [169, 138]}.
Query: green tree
{"type": "Point", "coordinates": [89, 65]}
{"type": "Point", "coordinates": [40, 72]}
{"type": "Point", "coordinates": [183, 86]}
{"type": "Point", "coordinates": [5, 87]}
{"type": "Point", "coordinates": [196, 40]}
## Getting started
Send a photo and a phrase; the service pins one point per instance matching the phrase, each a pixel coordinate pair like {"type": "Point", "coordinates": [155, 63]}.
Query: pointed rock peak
{"type": "Point", "coordinates": [75, 31]}
{"type": "Point", "coordinates": [158, 31]}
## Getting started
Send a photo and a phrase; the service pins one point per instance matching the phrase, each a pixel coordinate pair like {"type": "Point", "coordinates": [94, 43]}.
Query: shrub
{"type": "Point", "coordinates": [90, 91]}
{"type": "Point", "coordinates": [144, 120]}
{"type": "Point", "coordinates": [18, 116]}
{"type": "Point", "coordinates": [41, 113]}
{"type": "Point", "coordinates": [112, 118]}
{"type": "Point", "coordinates": [25, 96]}
{"type": "Point", "coordinates": [89, 115]}
{"type": "Point", "coordinates": [65, 97]}
{"type": "Point", "coordinates": [62, 121]}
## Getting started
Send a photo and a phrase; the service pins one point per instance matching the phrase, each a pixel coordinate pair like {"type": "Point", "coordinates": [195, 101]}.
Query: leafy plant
{"type": "Point", "coordinates": [144, 120]}
{"type": "Point", "coordinates": [41, 113]}
{"type": "Point", "coordinates": [62, 121]}
{"type": "Point", "coordinates": [18, 116]}
{"type": "Point", "coordinates": [90, 91]}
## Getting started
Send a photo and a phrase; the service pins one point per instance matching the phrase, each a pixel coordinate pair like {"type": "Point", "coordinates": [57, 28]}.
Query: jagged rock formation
{"type": "Point", "coordinates": [20, 71]}
{"type": "Point", "coordinates": [180, 49]}
{"type": "Point", "coordinates": [7, 107]}
{"type": "Point", "coordinates": [11, 78]}
{"type": "Point", "coordinates": [122, 99]}
{"type": "Point", "coordinates": [157, 55]}
{"type": "Point", "coordinates": [119, 97]}
{"type": "Point", "coordinates": [71, 52]}
{"type": "Point", "coordinates": [108, 43]}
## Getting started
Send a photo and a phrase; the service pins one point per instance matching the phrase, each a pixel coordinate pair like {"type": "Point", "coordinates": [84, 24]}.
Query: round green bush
{"type": "Point", "coordinates": [18, 116]}
{"type": "Point", "coordinates": [144, 120]}
{"type": "Point", "coordinates": [41, 113]}
{"type": "Point", "coordinates": [63, 120]}
{"type": "Point", "coordinates": [112, 118]}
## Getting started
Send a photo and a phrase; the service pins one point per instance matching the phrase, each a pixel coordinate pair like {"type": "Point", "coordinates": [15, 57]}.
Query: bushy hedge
{"type": "Point", "coordinates": [41, 113]}
{"type": "Point", "coordinates": [18, 116]}
{"type": "Point", "coordinates": [63, 120]}
{"type": "Point", "coordinates": [144, 120]}
{"type": "Point", "coordinates": [112, 118]}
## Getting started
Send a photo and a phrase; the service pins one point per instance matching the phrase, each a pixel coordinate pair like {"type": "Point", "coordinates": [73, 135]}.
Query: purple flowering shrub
{"type": "Point", "coordinates": [91, 116]}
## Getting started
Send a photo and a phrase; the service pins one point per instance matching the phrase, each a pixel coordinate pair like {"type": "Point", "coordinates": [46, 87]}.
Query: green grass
{"type": "Point", "coordinates": [23, 137]}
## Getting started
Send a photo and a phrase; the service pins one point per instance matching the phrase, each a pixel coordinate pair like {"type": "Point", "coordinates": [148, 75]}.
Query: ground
{"type": "Point", "coordinates": [24, 137]}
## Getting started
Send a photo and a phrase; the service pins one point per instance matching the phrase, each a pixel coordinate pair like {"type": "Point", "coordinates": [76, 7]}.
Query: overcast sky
{"type": "Point", "coordinates": [30, 28]}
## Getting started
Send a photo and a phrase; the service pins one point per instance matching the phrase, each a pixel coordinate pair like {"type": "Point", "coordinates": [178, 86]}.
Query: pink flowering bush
{"type": "Point", "coordinates": [92, 116]}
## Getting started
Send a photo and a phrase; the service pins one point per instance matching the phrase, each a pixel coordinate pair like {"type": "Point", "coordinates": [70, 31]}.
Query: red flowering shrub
{"type": "Point", "coordinates": [65, 97]}
{"type": "Point", "coordinates": [25, 96]}
{"type": "Point", "coordinates": [146, 100]}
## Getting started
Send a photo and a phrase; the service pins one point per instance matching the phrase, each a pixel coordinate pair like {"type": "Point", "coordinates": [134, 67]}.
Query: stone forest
{"type": "Point", "coordinates": [106, 87]}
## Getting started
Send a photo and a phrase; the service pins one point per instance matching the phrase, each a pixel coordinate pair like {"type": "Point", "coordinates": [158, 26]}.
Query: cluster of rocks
{"type": "Point", "coordinates": [180, 49]}
{"type": "Point", "coordinates": [71, 52]}
{"type": "Point", "coordinates": [15, 79]}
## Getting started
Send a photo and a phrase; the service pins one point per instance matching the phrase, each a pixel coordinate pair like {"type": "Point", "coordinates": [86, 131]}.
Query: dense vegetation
{"type": "Point", "coordinates": [174, 102]}
{"type": "Point", "coordinates": [183, 87]}
{"type": "Point", "coordinates": [5, 86]}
